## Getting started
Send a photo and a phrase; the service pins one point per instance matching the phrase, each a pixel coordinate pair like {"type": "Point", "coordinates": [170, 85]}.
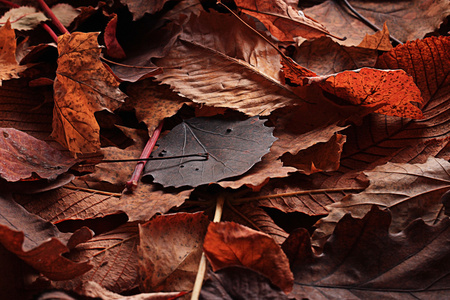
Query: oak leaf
{"type": "Point", "coordinates": [82, 87]}
{"type": "Point", "coordinates": [230, 244]}
{"type": "Point", "coordinates": [170, 250]}
{"type": "Point", "coordinates": [10, 68]}
{"type": "Point", "coordinates": [282, 20]}
{"type": "Point", "coordinates": [20, 161]}
{"type": "Point", "coordinates": [38, 242]}
{"type": "Point", "coordinates": [362, 259]}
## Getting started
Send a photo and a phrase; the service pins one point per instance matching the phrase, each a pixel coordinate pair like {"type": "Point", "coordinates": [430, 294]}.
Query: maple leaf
{"type": "Point", "coordinates": [362, 258]}
{"type": "Point", "coordinates": [82, 87]}
{"type": "Point", "coordinates": [10, 67]}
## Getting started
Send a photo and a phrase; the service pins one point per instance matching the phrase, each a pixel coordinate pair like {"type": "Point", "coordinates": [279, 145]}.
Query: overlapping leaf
{"type": "Point", "coordinates": [23, 18]}
{"type": "Point", "coordinates": [10, 67]}
{"type": "Point", "coordinates": [82, 87]}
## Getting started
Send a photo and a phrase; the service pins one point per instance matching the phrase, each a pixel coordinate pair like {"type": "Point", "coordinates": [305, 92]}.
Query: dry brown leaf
{"type": "Point", "coordinates": [82, 87]}
{"type": "Point", "coordinates": [408, 20]}
{"type": "Point", "coordinates": [114, 257]}
{"type": "Point", "coordinates": [282, 20]}
{"type": "Point", "coordinates": [140, 7]}
{"type": "Point", "coordinates": [23, 18]}
{"type": "Point", "coordinates": [10, 68]}
{"type": "Point", "coordinates": [229, 244]}
{"type": "Point", "coordinates": [325, 56]}
{"type": "Point", "coordinates": [20, 161]}
{"type": "Point", "coordinates": [220, 62]}
{"type": "Point", "coordinates": [410, 191]}
{"type": "Point", "coordinates": [170, 250]}
{"type": "Point", "coordinates": [377, 41]}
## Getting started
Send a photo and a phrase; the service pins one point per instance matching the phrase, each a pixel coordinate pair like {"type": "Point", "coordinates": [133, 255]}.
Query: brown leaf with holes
{"type": "Point", "coordinates": [227, 244]}
{"type": "Point", "coordinates": [82, 87]}
{"type": "Point", "coordinates": [10, 67]}
{"type": "Point", "coordinates": [170, 250]}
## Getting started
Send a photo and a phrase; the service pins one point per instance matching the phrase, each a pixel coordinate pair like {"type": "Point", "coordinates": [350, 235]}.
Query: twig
{"type": "Point", "coordinates": [367, 22]}
{"type": "Point", "coordinates": [133, 182]}
{"type": "Point", "coordinates": [202, 155]}
{"type": "Point", "coordinates": [52, 16]}
{"type": "Point", "coordinates": [202, 266]}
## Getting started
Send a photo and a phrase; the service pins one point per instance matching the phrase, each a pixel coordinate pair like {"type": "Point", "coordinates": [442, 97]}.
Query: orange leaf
{"type": "Point", "coordinates": [229, 244]}
{"type": "Point", "coordinates": [377, 41]}
{"type": "Point", "coordinates": [10, 68]}
{"type": "Point", "coordinates": [282, 20]}
{"type": "Point", "coordinates": [82, 87]}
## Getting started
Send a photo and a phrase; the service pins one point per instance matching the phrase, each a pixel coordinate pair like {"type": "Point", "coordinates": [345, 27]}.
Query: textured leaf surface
{"type": "Point", "coordinates": [170, 251]}
{"type": "Point", "coordinates": [82, 87]}
{"type": "Point", "coordinates": [282, 20]}
{"type": "Point", "coordinates": [239, 282]}
{"type": "Point", "coordinates": [229, 244]}
{"type": "Point", "coordinates": [363, 260]}
{"type": "Point", "coordinates": [233, 147]}
{"type": "Point", "coordinates": [23, 18]}
{"type": "Point", "coordinates": [406, 20]}
{"type": "Point", "coordinates": [410, 191]}
{"type": "Point", "coordinates": [220, 62]}
{"type": "Point", "coordinates": [23, 155]}
{"type": "Point", "coordinates": [37, 242]}
{"type": "Point", "coordinates": [10, 67]}
{"type": "Point", "coordinates": [378, 41]}
{"type": "Point", "coordinates": [114, 258]}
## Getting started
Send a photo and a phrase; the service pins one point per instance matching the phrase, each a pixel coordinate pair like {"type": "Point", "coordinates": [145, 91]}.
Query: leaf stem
{"type": "Point", "coordinates": [77, 188]}
{"type": "Point", "coordinates": [133, 182]}
{"type": "Point", "coordinates": [367, 22]}
{"type": "Point", "coordinates": [202, 155]}
{"type": "Point", "coordinates": [202, 266]}
{"type": "Point", "coordinates": [52, 16]}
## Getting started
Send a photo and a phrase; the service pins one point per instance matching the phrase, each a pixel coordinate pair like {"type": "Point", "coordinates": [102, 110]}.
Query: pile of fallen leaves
{"type": "Point", "coordinates": [287, 150]}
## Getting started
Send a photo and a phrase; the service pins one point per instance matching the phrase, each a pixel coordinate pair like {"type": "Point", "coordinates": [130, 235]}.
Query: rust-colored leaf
{"type": "Point", "coordinates": [362, 258]}
{"type": "Point", "coordinates": [377, 41]}
{"type": "Point", "coordinates": [282, 20]}
{"type": "Point", "coordinates": [10, 67]}
{"type": "Point", "coordinates": [229, 244]}
{"type": "Point", "coordinates": [82, 87]}
{"type": "Point", "coordinates": [20, 161]}
{"type": "Point", "coordinates": [113, 48]}
{"type": "Point", "coordinates": [37, 242]}
{"type": "Point", "coordinates": [170, 250]}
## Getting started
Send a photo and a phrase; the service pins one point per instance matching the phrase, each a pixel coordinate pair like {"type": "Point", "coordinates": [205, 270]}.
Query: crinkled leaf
{"type": "Point", "coordinates": [82, 87]}
{"type": "Point", "coordinates": [233, 147]}
{"type": "Point", "coordinates": [23, 155]}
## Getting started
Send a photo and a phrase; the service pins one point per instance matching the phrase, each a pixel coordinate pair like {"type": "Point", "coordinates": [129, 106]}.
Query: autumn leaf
{"type": "Point", "coordinates": [377, 41]}
{"type": "Point", "coordinates": [410, 191]}
{"type": "Point", "coordinates": [38, 242]}
{"type": "Point", "coordinates": [282, 20]}
{"type": "Point", "coordinates": [10, 68]}
{"type": "Point", "coordinates": [228, 244]}
{"type": "Point", "coordinates": [113, 48]}
{"type": "Point", "coordinates": [82, 87]}
{"type": "Point", "coordinates": [139, 7]}
{"type": "Point", "coordinates": [23, 18]}
{"type": "Point", "coordinates": [362, 258]}
{"type": "Point", "coordinates": [406, 22]}
{"type": "Point", "coordinates": [170, 250]}
{"type": "Point", "coordinates": [239, 282]}
{"type": "Point", "coordinates": [219, 62]}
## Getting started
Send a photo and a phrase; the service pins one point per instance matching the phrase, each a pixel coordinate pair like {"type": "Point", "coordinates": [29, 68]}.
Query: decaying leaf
{"type": "Point", "coordinates": [38, 242]}
{"type": "Point", "coordinates": [232, 148]}
{"type": "Point", "coordinates": [239, 283]}
{"type": "Point", "coordinates": [170, 250]}
{"type": "Point", "coordinates": [282, 20]}
{"type": "Point", "coordinates": [10, 68]}
{"type": "Point", "coordinates": [410, 191]}
{"type": "Point", "coordinates": [363, 260]}
{"type": "Point", "coordinates": [23, 155]}
{"type": "Point", "coordinates": [23, 18]}
{"type": "Point", "coordinates": [229, 244]}
{"type": "Point", "coordinates": [82, 87]}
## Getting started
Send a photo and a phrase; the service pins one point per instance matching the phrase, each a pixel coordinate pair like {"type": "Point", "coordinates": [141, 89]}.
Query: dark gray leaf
{"type": "Point", "coordinates": [233, 147]}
